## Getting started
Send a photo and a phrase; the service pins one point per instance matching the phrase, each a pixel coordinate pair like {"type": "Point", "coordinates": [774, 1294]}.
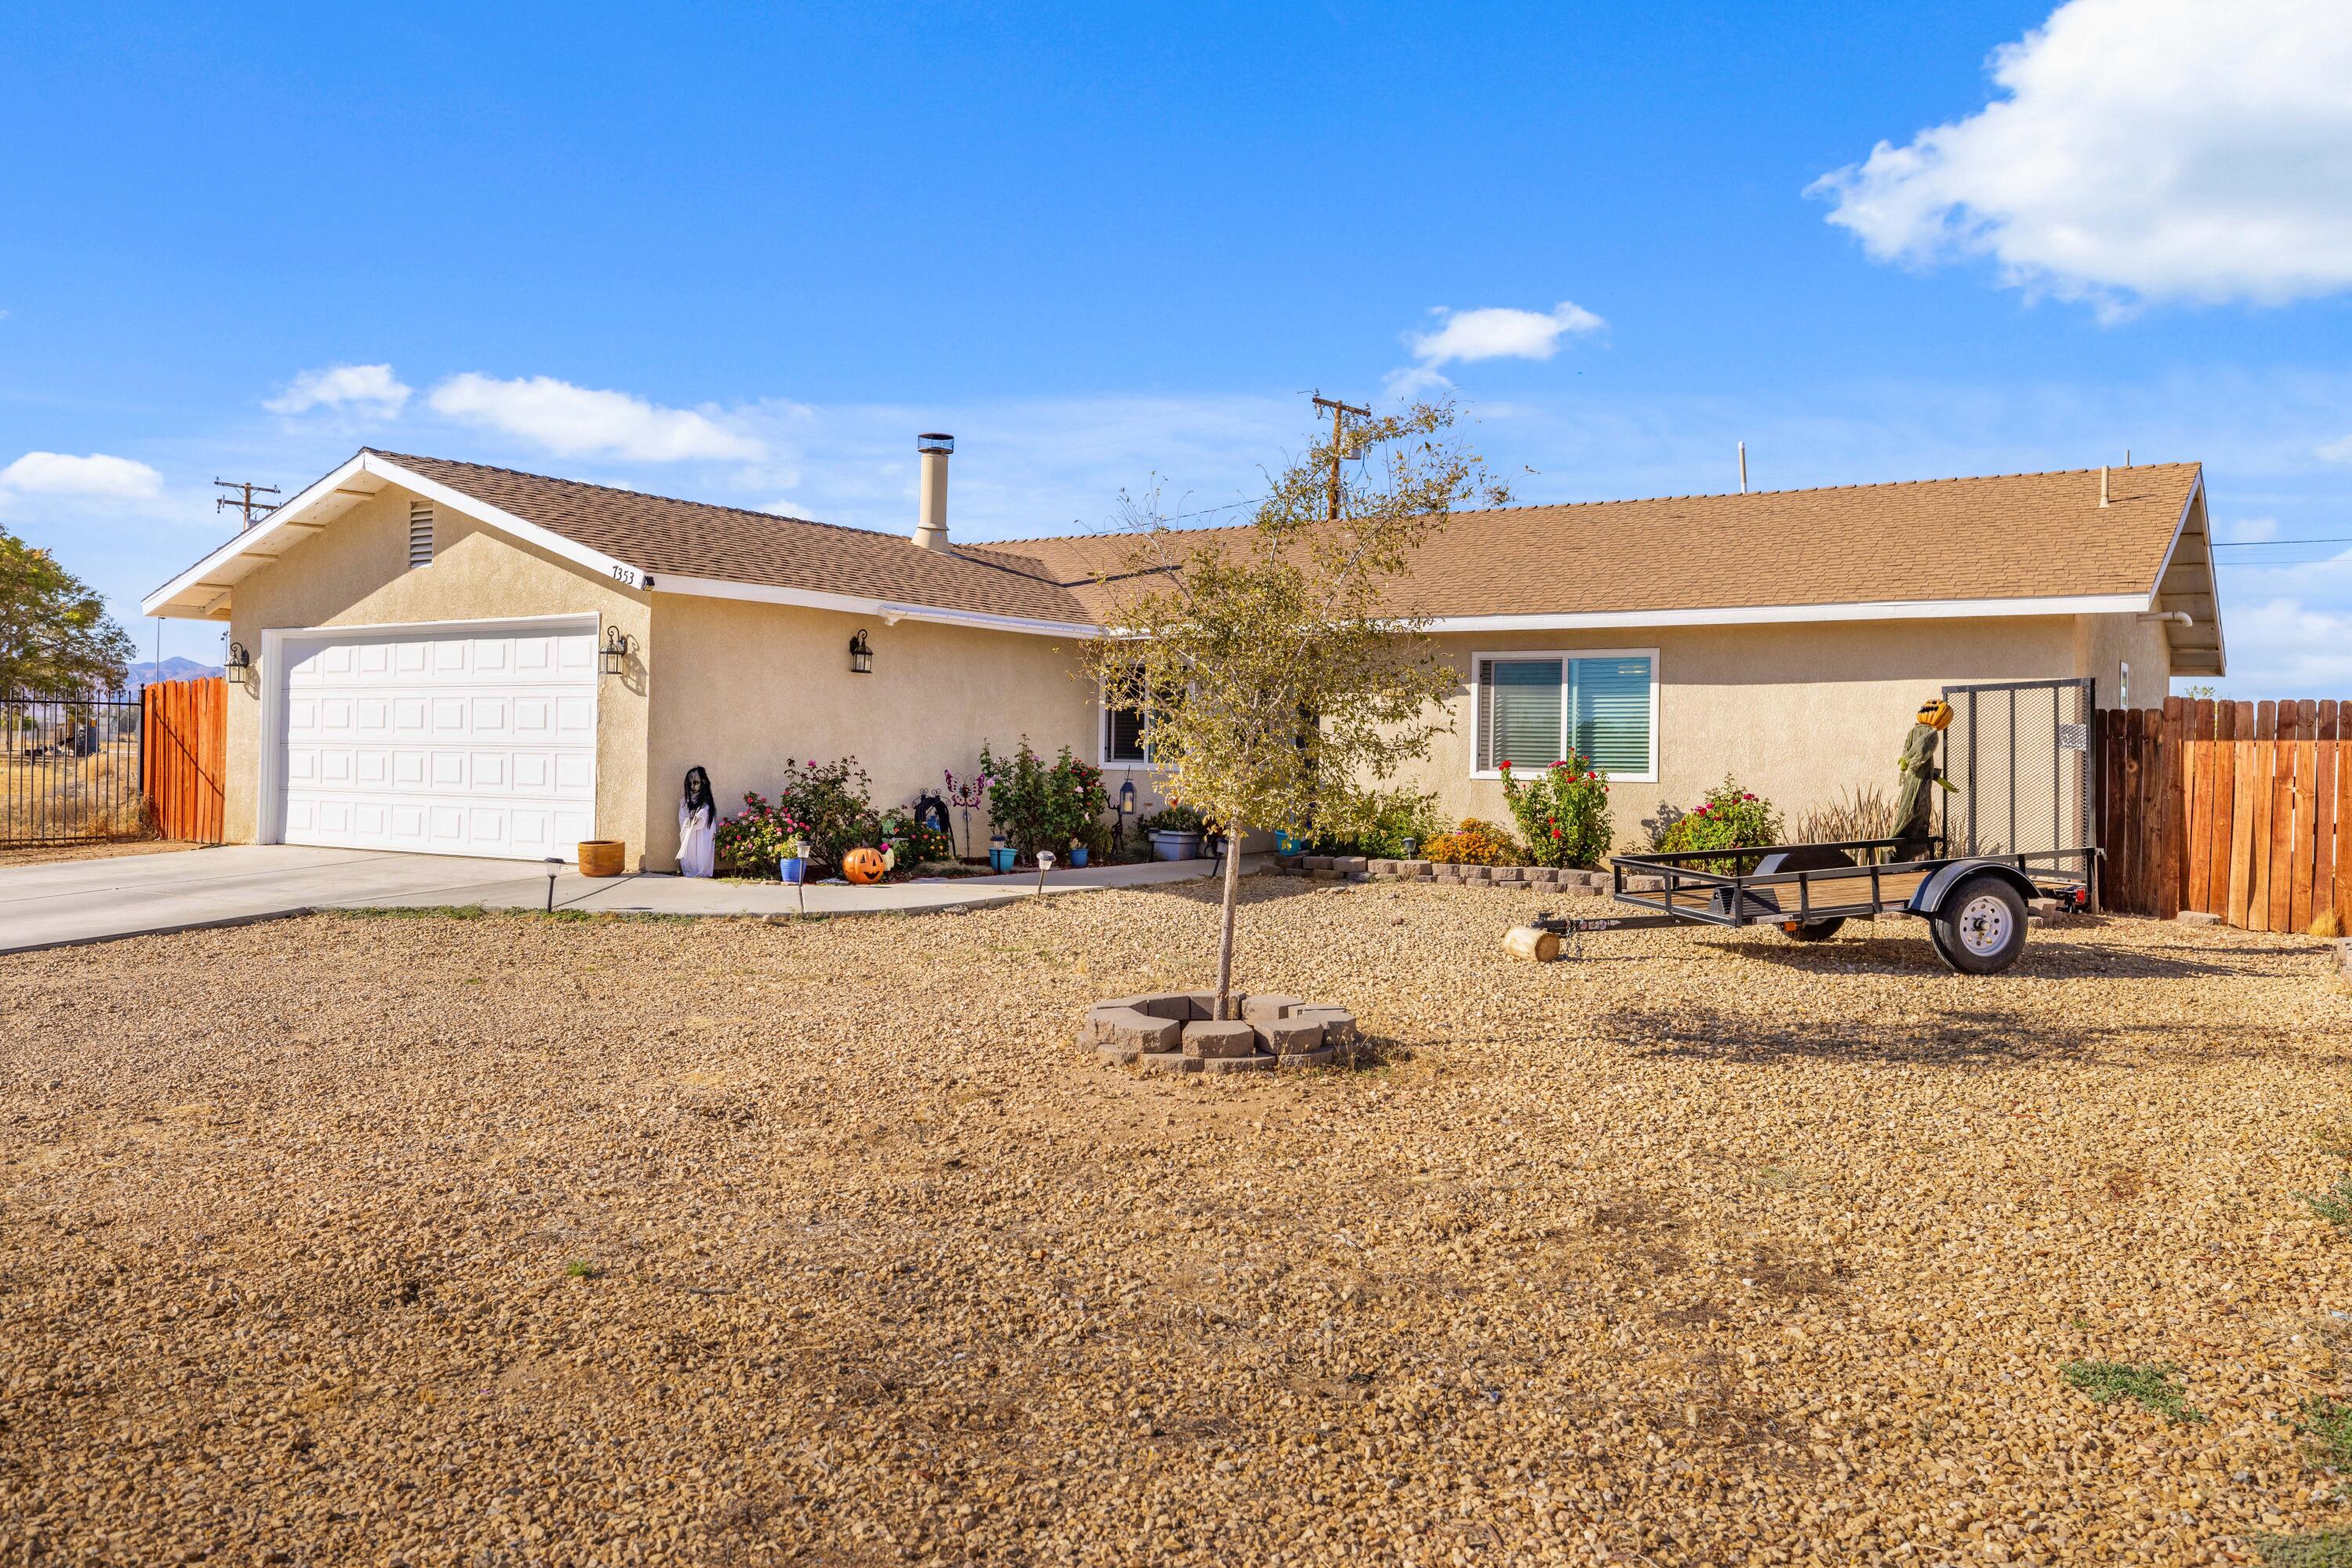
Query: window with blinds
{"type": "Point", "coordinates": [1533, 709]}
{"type": "Point", "coordinates": [420, 533]}
{"type": "Point", "coordinates": [1124, 743]}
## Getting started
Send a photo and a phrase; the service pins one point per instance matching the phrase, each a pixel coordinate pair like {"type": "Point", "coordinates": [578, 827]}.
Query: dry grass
{"type": "Point", "coordinates": [431, 1241]}
{"type": "Point", "coordinates": [97, 797]}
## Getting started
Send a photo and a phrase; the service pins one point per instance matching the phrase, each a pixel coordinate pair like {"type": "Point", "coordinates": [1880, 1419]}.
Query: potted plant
{"type": "Point", "coordinates": [1078, 853]}
{"type": "Point", "coordinates": [792, 864]}
{"type": "Point", "coordinates": [999, 854]}
{"type": "Point", "coordinates": [1175, 832]}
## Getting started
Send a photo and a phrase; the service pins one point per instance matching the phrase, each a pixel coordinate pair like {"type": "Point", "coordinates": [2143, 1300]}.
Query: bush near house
{"type": "Point", "coordinates": [833, 804]}
{"type": "Point", "coordinates": [1562, 811]}
{"type": "Point", "coordinates": [1729, 818]}
{"type": "Point", "coordinates": [1473, 843]}
{"type": "Point", "coordinates": [1377, 823]}
{"type": "Point", "coordinates": [751, 842]}
{"type": "Point", "coordinates": [1038, 805]}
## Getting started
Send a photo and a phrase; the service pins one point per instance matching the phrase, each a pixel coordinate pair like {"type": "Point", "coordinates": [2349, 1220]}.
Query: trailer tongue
{"type": "Point", "coordinates": [2022, 754]}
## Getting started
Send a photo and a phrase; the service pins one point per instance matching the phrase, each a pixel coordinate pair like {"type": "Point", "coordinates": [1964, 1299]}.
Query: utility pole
{"type": "Point", "coordinates": [254, 510]}
{"type": "Point", "coordinates": [1340, 411]}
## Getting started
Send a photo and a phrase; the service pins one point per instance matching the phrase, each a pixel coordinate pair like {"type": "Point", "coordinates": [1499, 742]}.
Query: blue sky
{"type": "Point", "coordinates": [743, 254]}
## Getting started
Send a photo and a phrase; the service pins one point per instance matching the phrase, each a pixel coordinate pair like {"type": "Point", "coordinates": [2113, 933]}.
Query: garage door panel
{"type": "Point", "coordinates": [457, 742]}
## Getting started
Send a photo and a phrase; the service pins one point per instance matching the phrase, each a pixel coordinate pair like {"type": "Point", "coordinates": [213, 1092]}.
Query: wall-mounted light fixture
{"type": "Point", "coordinates": [861, 653]}
{"type": "Point", "coordinates": [240, 665]}
{"type": "Point", "coordinates": [615, 655]}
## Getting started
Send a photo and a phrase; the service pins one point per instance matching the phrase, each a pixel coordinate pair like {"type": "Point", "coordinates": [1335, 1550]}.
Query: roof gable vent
{"type": "Point", "coordinates": [420, 533]}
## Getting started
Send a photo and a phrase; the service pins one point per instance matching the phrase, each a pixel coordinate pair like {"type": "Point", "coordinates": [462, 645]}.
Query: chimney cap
{"type": "Point", "coordinates": [934, 441]}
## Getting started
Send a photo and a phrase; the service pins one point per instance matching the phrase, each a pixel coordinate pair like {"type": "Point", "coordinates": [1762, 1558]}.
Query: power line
{"type": "Point", "coordinates": [2279, 543]}
{"type": "Point", "coordinates": [253, 511]}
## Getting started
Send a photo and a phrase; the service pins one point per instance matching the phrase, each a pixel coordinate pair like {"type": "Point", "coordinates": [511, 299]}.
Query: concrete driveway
{"type": "Point", "coordinates": [65, 902]}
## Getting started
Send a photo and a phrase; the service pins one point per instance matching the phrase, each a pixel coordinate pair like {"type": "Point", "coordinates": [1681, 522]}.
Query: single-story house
{"type": "Point", "coordinates": [461, 659]}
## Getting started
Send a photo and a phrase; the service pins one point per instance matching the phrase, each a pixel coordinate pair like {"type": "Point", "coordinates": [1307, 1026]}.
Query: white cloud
{"type": "Point", "coordinates": [2248, 530]}
{"type": "Point", "coordinates": [2139, 150]}
{"type": "Point", "coordinates": [1498, 332]}
{"type": "Point", "coordinates": [362, 388]}
{"type": "Point", "coordinates": [578, 421]}
{"type": "Point", "coordinates": [2338, 451]}
{"type": "Point", "coordinates": [95, 477]}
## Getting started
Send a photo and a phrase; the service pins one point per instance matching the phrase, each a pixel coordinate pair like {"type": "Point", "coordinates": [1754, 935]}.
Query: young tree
{"type": "Point", "coordinates": [1282, 663]}
{"type": "Point", "coordinates": [56, 637]}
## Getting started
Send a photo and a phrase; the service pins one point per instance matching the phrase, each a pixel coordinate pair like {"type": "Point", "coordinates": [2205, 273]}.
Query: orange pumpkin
{"type": "Point", "coordinates": [863, 865]}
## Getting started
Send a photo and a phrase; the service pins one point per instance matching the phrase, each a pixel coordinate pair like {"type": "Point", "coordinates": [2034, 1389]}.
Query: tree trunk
{"type": "Point", "coordinates": [1225, 935]}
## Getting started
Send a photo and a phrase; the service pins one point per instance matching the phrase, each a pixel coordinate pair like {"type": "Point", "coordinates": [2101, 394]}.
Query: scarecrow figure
{"type": "Point", "coordinates": [1915, 808]}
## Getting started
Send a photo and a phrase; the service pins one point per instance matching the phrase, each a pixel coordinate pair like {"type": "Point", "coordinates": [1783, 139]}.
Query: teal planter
{"type": "Point", "coordinates": [1000, 857]}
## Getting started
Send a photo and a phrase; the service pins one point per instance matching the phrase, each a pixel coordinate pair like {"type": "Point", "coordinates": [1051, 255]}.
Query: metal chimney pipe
{"type": "Point", "coordinates": [931, 506]}
{"type": "Point", "coordinates": [2103, 484]}
{"type": "Point", "coordinates": [1743, 467]}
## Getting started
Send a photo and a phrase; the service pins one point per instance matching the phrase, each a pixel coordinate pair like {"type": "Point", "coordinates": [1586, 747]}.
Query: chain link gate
{"type": "Point", "coordinates": [2017, 757]}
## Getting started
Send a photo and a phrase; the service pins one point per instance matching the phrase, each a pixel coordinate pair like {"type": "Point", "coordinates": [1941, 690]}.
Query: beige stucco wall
{"type": "Point", "coordinates": [2104, 644]}
{"type": "Point", "coordinates": [754, 685]}
{"type": "Point", "coordinates": [1799, 714]}
{"type": "Point", "coordinates": [355, 572]}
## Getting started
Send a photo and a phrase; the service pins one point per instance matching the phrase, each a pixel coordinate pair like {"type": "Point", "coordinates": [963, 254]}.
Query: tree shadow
{"type": "Point", "coordinates": [1984, 1036]}
{"type": "Point", "coordinates": [2043, 960]}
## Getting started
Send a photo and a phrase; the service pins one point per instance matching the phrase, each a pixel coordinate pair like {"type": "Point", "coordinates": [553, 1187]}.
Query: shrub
{"type": "Point", "coordinates": [1376, 823]}
{"type": "Point", "coordinates": [1863, 814]}
{"type": "Point", "coordinates": [1731, 818]}
{"type": "Point", "coordinates": [751, 842]}
{"type": "Point", "coordinates": [1562, 811]}
{"type": "Point", "coordinates": [1040, 805]}
{"type": "Point", "coordinates": [1172, 818]}
{"type": "Point", "coordinates": [830, 802]}
{"type": "Point", "coordinates": [1473, 843]}
{"type": "Point", "coordinates": [914, 842]}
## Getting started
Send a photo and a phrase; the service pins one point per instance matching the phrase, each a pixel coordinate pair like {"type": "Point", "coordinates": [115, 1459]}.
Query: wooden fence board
{"type": "Point", "coordinates": [2197, 835]}
{"type": "Point", "coordinates": [2322, 814]}
{"type": "Point", "coordinates": [2280, 881]}
{"type": "Point", "coordinates": [2172, 864]}
{"type": "Point", "coordinates": [2241, 829]}
{"type": "Point", "coordinates": [2305, 848]}
{"type": "Point", "coordinates": [184, 724]}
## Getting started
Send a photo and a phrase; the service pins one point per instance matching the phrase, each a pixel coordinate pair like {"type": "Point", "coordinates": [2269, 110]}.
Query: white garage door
{"type": "Point", "coordinates": [450, 742]}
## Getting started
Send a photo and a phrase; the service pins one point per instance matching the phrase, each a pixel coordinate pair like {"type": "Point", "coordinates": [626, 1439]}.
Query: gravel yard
{"type": "Point", "coordinates": [431, 1240]}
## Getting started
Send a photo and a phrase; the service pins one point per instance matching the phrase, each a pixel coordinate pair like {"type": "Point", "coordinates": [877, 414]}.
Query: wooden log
{"type": "Point", "coordinates": [1531, 942]}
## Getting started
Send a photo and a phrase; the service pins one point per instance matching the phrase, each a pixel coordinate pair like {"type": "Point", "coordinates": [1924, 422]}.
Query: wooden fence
{"type": "Point", "coordinates": [2238, 809]}
{"type": "Point", "coordinates": [187, 724]}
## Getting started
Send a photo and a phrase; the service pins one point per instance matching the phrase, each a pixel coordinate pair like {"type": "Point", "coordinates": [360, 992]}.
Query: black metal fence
{"type": "Point", "coordinates": [2017, 757]}
{"type": "Point", "coordinates": [72, 768]}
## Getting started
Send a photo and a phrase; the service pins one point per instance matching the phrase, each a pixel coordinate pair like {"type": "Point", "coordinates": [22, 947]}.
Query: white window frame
{"type": "Point", "coordinates": [1103, 759]}
{"type": "Point", "coordinates": [1567, 730]}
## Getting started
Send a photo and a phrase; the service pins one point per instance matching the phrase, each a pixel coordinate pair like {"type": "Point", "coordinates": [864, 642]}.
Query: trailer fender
{"type": "Point", "coordinates": [1928, 897]}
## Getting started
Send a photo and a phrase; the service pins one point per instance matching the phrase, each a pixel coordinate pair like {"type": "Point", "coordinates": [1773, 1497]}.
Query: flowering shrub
{"type": "Point", "coordinates": [1563, 811]}
{"type": "Point", "coordinates": [1473, 843]}
{"type": "Point", "coordinates": [1376, 823]}
{"type": "Point", "coordinates": [830, 802]}
{"type": "Point", "coordinates": [915, 843]}
{"type": "Point", "coordinates": [1039, 805]}
{"type": "Point", "coordinates": [754, 839]}
{"type": "Point", "coordinates": [1731, 818]}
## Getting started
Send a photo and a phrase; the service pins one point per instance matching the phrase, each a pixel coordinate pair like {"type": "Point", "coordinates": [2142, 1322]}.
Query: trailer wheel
{"type": "Point", "coordinates": [1811, 931]}
{"type": "Point", "coordinates": [1981, 930]}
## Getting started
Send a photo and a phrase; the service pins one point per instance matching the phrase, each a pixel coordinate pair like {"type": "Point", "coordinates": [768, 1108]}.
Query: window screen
{"type": "Point", "coordinates": [1523, 713]}
{"type": "Point", "coordinates": [1532, 710]}
{"type": "Point", "coordinates": [420, 533]}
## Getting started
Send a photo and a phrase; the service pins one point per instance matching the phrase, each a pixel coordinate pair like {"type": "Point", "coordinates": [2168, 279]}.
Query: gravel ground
{"type": "Point", "coordinates": [428, 1240]}
{"type": "Point", "coordinates": [98, 849]}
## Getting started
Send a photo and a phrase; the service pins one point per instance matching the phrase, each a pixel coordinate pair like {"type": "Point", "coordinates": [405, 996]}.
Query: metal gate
{"type": "Point", "coordinates": [73, 768]}
{"type": "Point", "coordinates": [2017, 757]}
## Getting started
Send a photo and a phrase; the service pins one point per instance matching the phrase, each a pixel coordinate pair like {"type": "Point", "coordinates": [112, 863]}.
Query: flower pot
{"type": "Point", "coordinates": [794, 869]}
{"type": "Point", "coordinates": [999, 856]}
{"type": "Point", "coordinates": [1284, 844]}
{"type": "Point", "coordinates": [1175, 846]}
{"type": "Point", "coordinates": [1077, 856]}
{"type": "Point", "coordinates": [601, 856]}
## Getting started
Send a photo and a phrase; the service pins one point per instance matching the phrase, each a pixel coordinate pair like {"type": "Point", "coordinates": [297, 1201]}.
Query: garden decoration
{"type": "Point", "coordinates": [967, 795]}
{"type": "Point", "coordinates": [1078, 853]}
{"type": "Point", "coordinates": [1914, 808]}
{"type": "Point", "coordinates": [931, 814]}
{"type": "Point", "coordinates": [1044, 864]}
{"type": "Point", "coordinates": [697, 825]}
{"type": "Point", "coordinates": [791, 864]}
{"type": "Point", "coordinates": [863, 866]}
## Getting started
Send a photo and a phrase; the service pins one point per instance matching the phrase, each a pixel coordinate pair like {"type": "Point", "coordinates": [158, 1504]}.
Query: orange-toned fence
{"type": "Point", "coordinates": [186, 723]}
{"type": "Point", "coordinates": [2234, 808]}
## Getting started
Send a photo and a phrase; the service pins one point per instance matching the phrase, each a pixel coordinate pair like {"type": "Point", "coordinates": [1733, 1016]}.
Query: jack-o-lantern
{"type": "Point", "coordinates": [864, 866]}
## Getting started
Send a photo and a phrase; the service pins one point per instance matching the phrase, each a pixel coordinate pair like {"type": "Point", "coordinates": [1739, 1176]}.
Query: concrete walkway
{"type": "Point", "coordinates": [66, 902]}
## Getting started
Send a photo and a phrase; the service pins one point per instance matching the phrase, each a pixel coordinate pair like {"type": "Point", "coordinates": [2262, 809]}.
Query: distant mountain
{"type": "Point", "coordinates": [144, 674]}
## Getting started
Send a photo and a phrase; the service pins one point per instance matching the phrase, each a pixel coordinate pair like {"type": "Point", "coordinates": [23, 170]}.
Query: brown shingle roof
{"type": "Point", "coordinates": [2007, 537]}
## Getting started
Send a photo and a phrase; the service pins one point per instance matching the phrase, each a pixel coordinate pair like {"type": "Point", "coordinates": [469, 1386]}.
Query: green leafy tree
{"type": "Point", "coordinates": [56, 637]}
{"type": "Point", "coordinates": [1277, 665]}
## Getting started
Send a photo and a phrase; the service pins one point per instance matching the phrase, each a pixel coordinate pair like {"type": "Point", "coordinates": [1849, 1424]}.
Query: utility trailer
{"type": "Point", "coordinates": [2019, 825]}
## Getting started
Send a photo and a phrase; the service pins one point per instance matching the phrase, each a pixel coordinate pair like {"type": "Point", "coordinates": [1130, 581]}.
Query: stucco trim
{"type": "Point", "coordinates": [1656, 680]}
{"type": "Point", "coordinates": [270, 772]}
{"type": "Point", "coordinates": [889, 611]}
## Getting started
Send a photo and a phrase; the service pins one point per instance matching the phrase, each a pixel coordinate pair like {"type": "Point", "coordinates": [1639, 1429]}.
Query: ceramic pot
{"type": "Point", "coordinates": [601, 856]}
